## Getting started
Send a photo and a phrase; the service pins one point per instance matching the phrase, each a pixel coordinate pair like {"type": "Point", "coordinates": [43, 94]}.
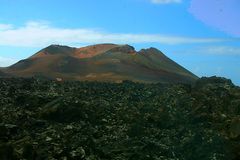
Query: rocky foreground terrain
{"type": "Point", "coordinates": [42, 119]}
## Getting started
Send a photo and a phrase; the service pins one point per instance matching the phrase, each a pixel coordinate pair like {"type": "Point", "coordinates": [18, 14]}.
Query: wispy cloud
{"type": "Point", "coordinates": [5, 26]}
{"type": "Point", "coordinates": [211, 50]}
{"type": "Point", "coordinates": [165, 1]}
{"type": "Point", "coordinates": [222, 50]}
{"type": "Point", "coordinates": [6, 61]}
{"type": "Point", "coordinates": [35, 34]}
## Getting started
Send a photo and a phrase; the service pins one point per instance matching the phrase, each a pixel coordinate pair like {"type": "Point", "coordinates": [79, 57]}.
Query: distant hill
{"type": "Point", "coordinates": [102, 62]}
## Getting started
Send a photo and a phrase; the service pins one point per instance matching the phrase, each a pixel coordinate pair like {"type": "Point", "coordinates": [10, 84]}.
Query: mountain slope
{"type": "Point", "coordinates": [1, 74]}
{"type": "Point", "coordinates": [103, 62]}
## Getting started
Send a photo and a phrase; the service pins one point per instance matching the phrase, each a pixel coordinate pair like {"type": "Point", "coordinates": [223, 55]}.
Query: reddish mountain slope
{"type": "Point", "coordinates": [103, 62]}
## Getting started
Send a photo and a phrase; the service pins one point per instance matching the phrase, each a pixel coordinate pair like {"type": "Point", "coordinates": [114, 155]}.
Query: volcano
{"type": "Point", "coordinates": [101, 62]}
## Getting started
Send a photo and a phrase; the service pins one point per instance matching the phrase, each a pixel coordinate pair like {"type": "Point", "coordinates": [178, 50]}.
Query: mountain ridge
{"type": "Point", "coordinates": [102, 62]}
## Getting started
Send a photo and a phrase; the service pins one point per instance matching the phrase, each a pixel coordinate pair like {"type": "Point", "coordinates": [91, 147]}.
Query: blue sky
{"type": "Point", "coordinates": [201, 35]}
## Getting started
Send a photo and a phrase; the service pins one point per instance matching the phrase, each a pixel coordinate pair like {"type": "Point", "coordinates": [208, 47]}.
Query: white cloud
{"type": "Point", "coordinates": [5, 26]}
{"type": "Point", "coordinates": [4, 62]}
{"type": "Point", "coordinates": [165, 1]}
{"type": "Point", "coordinates": [222, 50]}
{"type": "Point", "coordinates": [211, 50]}
{"type": "Point", "coordinates": [35, 34]}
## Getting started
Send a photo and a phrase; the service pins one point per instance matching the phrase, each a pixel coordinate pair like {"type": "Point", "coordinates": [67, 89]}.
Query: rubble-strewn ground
{"type": "Point", "coordinates": [43, 119]}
